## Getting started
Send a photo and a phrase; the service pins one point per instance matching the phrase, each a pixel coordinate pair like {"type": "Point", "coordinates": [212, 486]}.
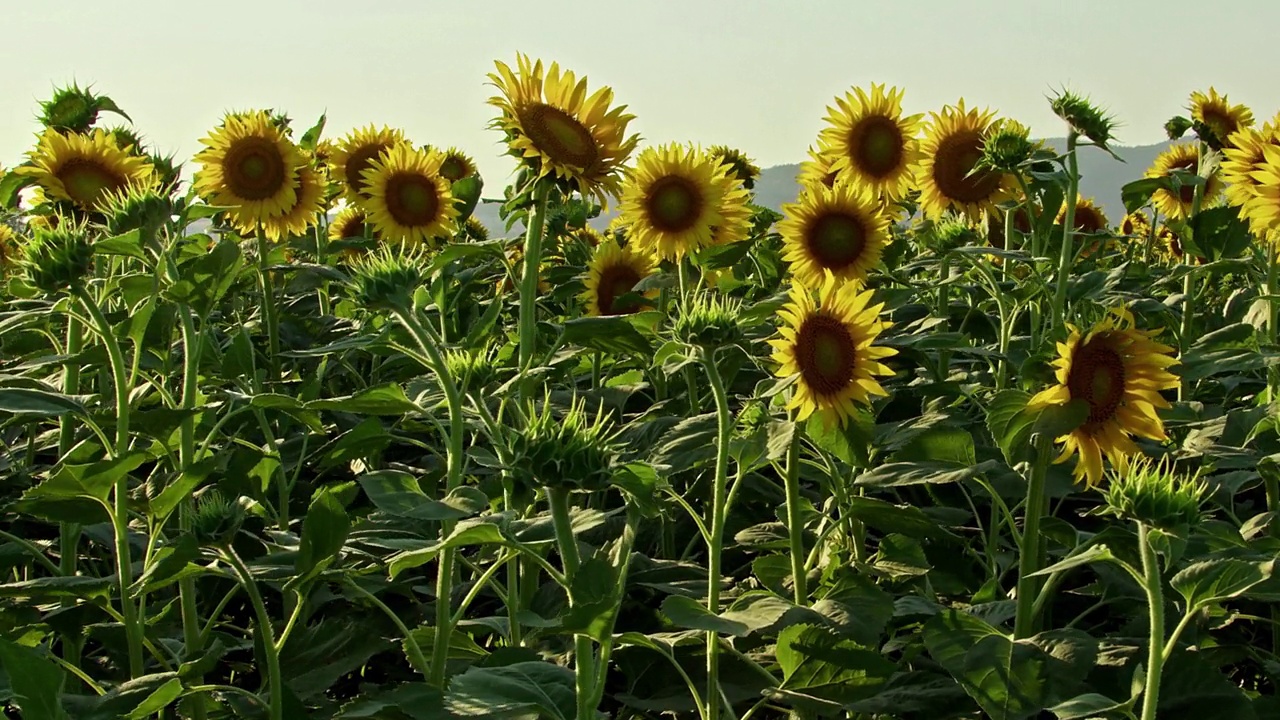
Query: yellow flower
{"type": "Point", "coordinates": [249, 166]}
{"type": "Point", "coordinates": [828, 345]}
{"type": "Point", "coordinates": [308, 190]}
{"type": "Point", "coordinates": [1119, 371]}
{"type": "Point", "coordinates": [740, 166]}
{"type": "Point", "coordinates": [872, 143]}
{"type": "Point", "coordinates": [1263, 209]}
{"type": "Point", "coordinates": [1135, 225]}
{"type": "Point", "coordinates": [8, 248]}
{"type": "Point", "coordinates": [817, 170]}
{"type": "Point", "coordinates": [1089, 218]}
{"type": "Point", "coordinates": [553, 124]}
{"type": "Point", "coordinates": [351, 222]}
{"type": "Point", "coordinates": [613, 272]}
{"type": "Point", "coordinates": [457, 165]}
{"type": "Point", "coordinates": [84, 168]}
{"type": "Point", "coordinates": [1177, 204]}
{"type": "Point", "coordinates": [1216, 120]}
{"type": "Point", "coordinates": [409, 200]}
{"type": "Point", "coordinates": [1244, 156]}
{"type": "Point", "coordinates": [679, 199]}
{"type": "Point", "coordinates": [356, 152]}
{"type": "Point", "coordinates": [948, 178]}
{"type": "Point", "coordinates": [840, 230]}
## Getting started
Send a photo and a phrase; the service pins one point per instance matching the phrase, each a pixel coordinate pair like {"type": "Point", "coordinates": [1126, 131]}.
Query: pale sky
{"type": "Point", "coordinates": [755, 75]}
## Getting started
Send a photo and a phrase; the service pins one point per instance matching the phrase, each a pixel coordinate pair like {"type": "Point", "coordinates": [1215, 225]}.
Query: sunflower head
{"type": "Point", "coordinates": [738, 164]}
{"type": "Point", "coordinates": [1244, 155]}
{"type": "Point", "coordinates": [1176, 126]}
{"type": "Point", "coordinates": [561, 131]}
{"type": "Point", "coordinates": [817, 170]}
{"type": "Point", "coordinates": [250, 166]}
{"type": "Point", "coordinates": [1176, 163]}
{"type": "Point", "coordinates": [1083, 117]}
{"type": "Point", "coordinates": [1135, 225]}
{"type": "Point", "coordinates": [350, 222]}
{"type": "Point", "coordinates": [1008, 147]}
{"type": "Point", "coordinates": [456, 165]}
{"type": "Point", "coordinates": [679, 199]}
{"type": "Point", "coordinates": [871, 140]}
{"type": "Point", "coordinates": [59, 258]}
{"type": "Point", "coordinates": [951, 176]}
{"type": "Point", "coordinates": [387, 278]}
{"type": "Point", "coordinates": [841, 231]}
{"type": "Point", "coordinates": [356, 152]}
{"type": "Point", "coordinates": [84, 168]}
{"type": "Point", "coordinates": [75, 109]}
{"type": "Point", "coordinates": [827, 343]}
{"type": "Point", "coordinates": [309, 201]}
{"type": "Point", "coordinates": [612, 275]}
{"type": "Point", "coordinates": [708, 320]}
{"type": "Point", "coordinates": [1152, 492]}
{"type": "Point", "coordinates": [1088, 217]}
{"type": "Point", "coordinates": [1215, 119]}
{"type": "Point", "coordinates": [573, 450]}
{"type": "Point", "coordinates": [136, 208]}
{"type": "Point", "coordinates": [408, 199]}
{"type": "Point", "coordinates": [473, 230]}
{"type": "Point", "coordinates": [1119, 372]}
{"type": "Point", "coordinates": [8, 248]}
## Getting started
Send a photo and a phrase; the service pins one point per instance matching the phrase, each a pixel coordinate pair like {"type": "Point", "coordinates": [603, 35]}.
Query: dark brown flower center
{"type": "Point", "coordinates": [826, 354]}
{"type": "Point", "coordinates": [559, 135]}
{"type": "Point", "coordinates": [358, 161]}
{"type": "Point", "coordinates": [674, 204]}
{"type": "Point", "coordinates": [455, 168]}
{"type": "Point", "coordinates": [877, 146]}
{"type": "Point", "coordinates": [836, 239]}
{"type": "Point", "coordinates": [1088, 220]}
{"type": "Point", "coordinates": [412, 199]}
{"type": "Point", "coordinates": [254, 169]}
{"type": "Point", "coordinates": [1097, 377]}
{"type": "Point", "coordinates": [86, 181]}
{"type": "Point", "coordinates": [353, 227]}
{"type": "Point", "coordinates": [616, 281]}
{"type": "Point", "coordinates": [956, 157]}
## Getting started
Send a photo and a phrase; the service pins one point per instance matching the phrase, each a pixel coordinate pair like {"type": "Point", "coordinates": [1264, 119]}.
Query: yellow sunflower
{"type": "Point", "coordinates": [1177, 204]}
{"type": "Point", "coordinates": [872, 141]}
{"type": "Point", "coordinates": [1216, 120]}
{"type": "Point", "coordinates": [612, 273]}
{"type": "Point", "coordinates": [828, 344]}
{"type": "Point", "coordinates": [457, 165]}
{"type": "Point", "coordinates": [408, 197]}
{"type": "Point", "coordinates": [817, 170]}
{"type": "Point", "coordinates": [84, 168]}
{"type": "Point", "coordinates": [308, 190]}
{"type": "Point", "coordinates": [1135, 225]}
{"type": "Point", "coordinates": [355, 153]}
{"type": "Point", "coordinates": [1119, 371]}
{"type": "Point", "coordinates": [351, 222]}
{"type": "Point", "coordinates": [1089, 218]}
{"type": "Point", "coordinates": [564, 133]}
{"type": "Point", "coordinates": [8, 248]}
{"type": "Point", "coordinates": [946, 177]}
{"type": "Point", "coordinates": [250, 166]}
{"type": "Point", "coordinates": [740, 166]}
{"type": "Point", "coordinates": [1243, 156]}
{"type": "Point", "coordinates": [840, 230]}
{"type": "Point", "coordinates": [590, 236]}
{"type": "Point", "coordinates": [679, 199]}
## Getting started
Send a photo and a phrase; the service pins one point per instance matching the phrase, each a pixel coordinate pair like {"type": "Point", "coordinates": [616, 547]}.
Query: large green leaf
{"type": "Point", "coordinates": [1211, 581]}
{"type": "Point", "coordinates": [818, 663]}
{"type": "Point", "coordinates": [612, 334]}
{"type": "Point", "coordinates": [399, 493]}
{"type": "Point", "coordinates": [324, 531]}
{"type": "Point", "coordinates": [934, 472]}
{"type": "Point", "coordinates": [42, 403]}
{"type": "Point", "coordinates": [388, 399]}
{"type": "Point", "coordinates": [525, 689]}
{"type": "Point", "coordinates": [35, 681]}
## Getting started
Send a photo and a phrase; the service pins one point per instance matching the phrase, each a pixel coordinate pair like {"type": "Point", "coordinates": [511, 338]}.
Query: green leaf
{"type": "Point", "coordinates": [524, 689]}
{"type": "Point", "coordinates": [78, 493]}
{"type": "Point", "coordinates": [12, 184]}
{"type": "Point", "coordinates": [1089, 705]}
{"type": "Point", "coordinates": [182, 488]}
{"type": "Point", "coordinates": [851, 443]}
{"type": "Point", "coordinates": [166, 563]}
{"type": "Point", "coordinates": [388, 399]}
{"type": "Point", "coordinates": [44, 403]}
{"type": "Point", "coordinates": [822, 664]}
{"type": "Point", "coordinates": [158, 700]}
{"type": "Point", "coordinates": [685, 612]}
{"type": "Point", "coordinates": [36, 682]}
{"type": "Point", "coordinates": [1094, 554]}
{"type": "Point", "coordinates": [594, 599]}
{"type": "Point", "coordinates": [1219, 233]}
{"type": "Point", "coordinates": [1009, 423]}
{"type": "Point", "coordinates": [902, 519]}
{"type": "Point", "coordinates": [1138, 193]}
{"type": "Point", "coordinates": [311, 137]}
{"type": "Point", "coordinates": [946, 444]}
{"type": "Point", "coordinates": [466, 194]}
{"type": "Point", "coordinates": [611, 334]}
{"type": "Point", "coordinates": [399, 493]}
{"type": "Point", "coordinates": [58, 587]}
{"type": "Point", "coordinates": [324, 531]}
{"type": "Point", "coordinates": [900, 474]}
{"type": "Point", "coordinates": [127, 245]}
{"type": "Point", "coordinates": [1212, 581]}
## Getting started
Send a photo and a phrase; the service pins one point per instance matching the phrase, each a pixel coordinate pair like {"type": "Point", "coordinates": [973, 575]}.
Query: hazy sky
{"type": "Point", "coordinates": [756, 75]}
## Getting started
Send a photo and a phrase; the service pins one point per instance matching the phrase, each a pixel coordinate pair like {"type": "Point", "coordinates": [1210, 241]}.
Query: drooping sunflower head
{"type": "Point", "coordinates": [828, 344]}
{"type": "Point", "coordinates": [840, 231]}
{"type": "Point", "coordinates": [58, 258]}
{"type": "Point", "coordinates": [386, 279]}
{"type": "Point", "coordinates": [612, 275]}
{"type": "Point", "coordinates": [84, 168]}
{"type": "Point", "coordinates": [456, 165]}
{"type": "Point", "coordinates": [308, 202]}
{"type": "Point", "coordinates": [1215, 119]}
{"type": "Point", "coordinates": [249, 165]}
{"type": "Point", "coordinates": [1008, 146]}
{"type": "Point", "coordinates": [573, 450]}
{"type": "Point", "coordinates": [356, 152]}
{"type": "Point", "coordinates": [1088, 219]}
{"type": "Point", "coordinates": [708, 319]}
{"type": "Point", "coordinates": [949, 176]}
{"type": "Point", "coordinates": [872, 141]}
{"type": "Point", "coordinates": [679, 199]}
{"type": "Point", "coordinates": [74, 109]}
{"type": "Point", "coordinates": [1083, 116]}
{"type": "Point", "coordinates": [1119, 372]}
{"type": "Point", "coordinates": [739, 165]}
{"type": "Point", "coordinates": [1181, 158]}
{"type": "Point", "coordinates": [559, 130]}
{"type": "Point", "coordinates": [817, 170]}
{"type": "Point", "coordinates": [1135, 225]}
{"type": "Point", "coordinates": [408, 197]}
{"type": "Point", "coordinates": [136, 208]}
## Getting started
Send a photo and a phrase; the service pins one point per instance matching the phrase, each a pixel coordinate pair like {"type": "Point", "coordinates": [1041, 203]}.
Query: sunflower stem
{"type": "Point", "coordinates": [584, 662]}
{"type": "Point", "coordinates": [529, 277]}
{"type": "Point", "coordinates": [191, 348]}
{"type": "Point", "coordinates": [1029, 562]}
{"type": "Point", "coordinates": [1068, 224]}
{"type": "Point", "coordinates": [1273, 323]}
{"type": "Point", "coordinates": [269, 308]}
{"type": "Point", "coordinates": [69, 533]}
{"type": "Point", "coordinates": [795, 522]}
{"type": "Point", "coordinates": [1153, 584]}
{"type": "Point", "coordinates": [262, 620]}
{"type": "Point", "coordinates": [716, 540]}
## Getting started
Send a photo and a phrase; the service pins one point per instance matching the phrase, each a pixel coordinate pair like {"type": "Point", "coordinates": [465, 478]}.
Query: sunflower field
{"type": "Point", "coordinates": [286, 432]}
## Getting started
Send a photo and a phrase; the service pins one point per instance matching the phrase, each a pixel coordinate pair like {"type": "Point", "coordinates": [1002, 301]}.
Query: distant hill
{"type": "Point", "coordinates": [1101, 177]}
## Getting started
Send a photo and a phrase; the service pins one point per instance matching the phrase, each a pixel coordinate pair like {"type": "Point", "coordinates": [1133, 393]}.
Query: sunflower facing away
{"type": "Point", "coordinates": [551, 122]}
{"type": "Point", "coordinates": [871, 141]}
{"type": "Point", "coordinates": [839, 230]}
{"type": "Point", "coordinates": [612, 273]}
{"type": "Point", "coordinates": [679, 199]}
{"type": "Point", "coordinates": [827, 343]}
{"type": "Point", "coordinates": [250, 166]}
{"type": "Point", "coordinates": [1177, 203]}
{"type": "Point", "coordinates": [1119, 371]}
{"type": "Point", "coordinates": [409, 200]}
{"type": "Point", "coordinates": [1216, 120]}
{"type": "Point", "coordinates": [84, 168]}
{"type": "Point", "coordinates": [952, 148]}
{"type": "Point", "coordinates": [356, 152]}
{"type": "Point", "coordinates": [308, 190]}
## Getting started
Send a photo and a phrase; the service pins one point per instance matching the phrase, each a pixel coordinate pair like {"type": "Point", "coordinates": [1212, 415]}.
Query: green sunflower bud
{"type": "Point", "coordinates": [740, 166]}
{"type": "Point", "coordinates": [1151, 492]}
{"type": "Point", "coordinates": [1008, 146]}
{"type": "Point", "coordinates": [471, 369]}
{"type": "Point", "coordinates": [126, 138]}
{"type": "Point", "coordinates": [74, 109]}
{"type": "Point", "coordinates": [1176, 127]}
{"type": "Point", "coordinates": [573, 451]}
{"type": "Point", "coordinates": [1084, 117]}
{"type": "Point", "coordinates": [168, 172]}
{"type": "Point", "coordinates": [217, 519]}
{"type": "Point", "coordinates": [708, 320]}
{"type": "Point", "coordinates": [136, 209]}
{"type": "Point", "coordinates": [951, 234]}
{"type": "Point", "coordinates": [387, 278]}
{"type": "Point", "coordinates": [59, 257]}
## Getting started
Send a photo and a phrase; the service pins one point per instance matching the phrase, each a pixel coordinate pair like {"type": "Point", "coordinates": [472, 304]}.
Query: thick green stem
{"type": "Point", "coordinates": [716, 544]}
{"type": "Point", "coordinates": [1188, 289]}
{"type": "Point", "coordinates": [430, 345]}
{"type": "Point", "coordinates": [795, 522]}
{"type": "Point", "coordinates": [1025, 620]}
{"type": "Point", "coordinates": [191, 347]}
{"type": "Point", "coordinates": [1068, 230]}
{"type": "Point", "coordinates": [1155, 603]}
{"type": "Point", "coordinates": [529, 277]}
{"type": "Point", "coordinates": [1273, 323]}
{"type": "Point", "coordinates": [69, 533]}
{"type": "Point", "coordinates": [275, 681]}
{"type": "Point", "coordinates": [269, 307]}
{"type": "Point", "coordinates": [584, 658]}
{"type": "Point", "coordinates": [120, 507]}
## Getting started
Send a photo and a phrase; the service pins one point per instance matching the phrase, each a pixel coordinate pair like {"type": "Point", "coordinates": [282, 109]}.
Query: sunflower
{"type": "Point", "coordinates": [457, 165]}
{"type": "Point", "coordinates": [553, 124]}
{"type": "Point", "coordinates": [1177, 203]}
{"type": "Point", "coordinates": [473, 230]}
{"type": "Point", "coordinates": [1135, 225]}
{"type": "Point", "coordinates": [1169, 245]}
{"type": "Point", "coordinates": [308, 190]}
{"type": "Point", "coordinates": [679, 199]}
{"type": "Point", "coordinates": [1089, 218]}
{"type": "Point", "coordinates": [1119, 371]}
{"type": "Point", "coordinates": [612, 273]}
{"type": "Point", "coordinates": [590, 236]}
{"type": "Point", "coordinates": [871, 141]}
{"type": "Point", "coordinates": [1244, 155]}
{"type": "Point", "coordinates": [356, 152]}
{"type": "Point", "coordinates": [817, 170]}
{"type": "Point", "coordinates": [8, 248]}
{"type": "Point", "coordinates": [249, 166]}
{"type": "Point", "coordinates": [1216, 120]}
{"type": "Point", "coordinates": [351, 222]}
{"type": "Point", "coordinates": [84, 168]}
{"type": "Point", "coordinates": [840, 230]}
{"type": "Point", "coordinates": [408, 197]}
{"type": "Point", "coordinates": [740, 166]}
{"type": "Point", "coordinates": [1263, 209]}
{"type": "Point", "coordinates": [827, 343]}
{"type": "Point", "coordinates": [948, 176]}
